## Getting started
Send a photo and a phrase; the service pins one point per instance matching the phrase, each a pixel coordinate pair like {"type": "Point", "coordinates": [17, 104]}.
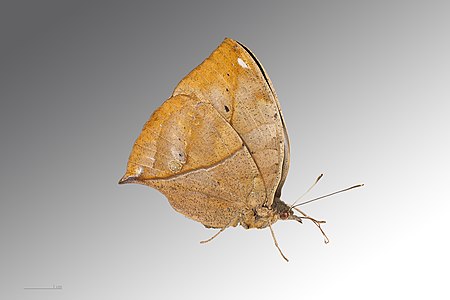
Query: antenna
{"type": "Point", "coordinates": [331, 194]}
{"type": "Point", "coordinates": [307, 191]}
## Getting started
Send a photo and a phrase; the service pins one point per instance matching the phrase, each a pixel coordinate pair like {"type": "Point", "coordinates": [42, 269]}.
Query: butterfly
{"type": "Point", "coordinates": [218, 148]}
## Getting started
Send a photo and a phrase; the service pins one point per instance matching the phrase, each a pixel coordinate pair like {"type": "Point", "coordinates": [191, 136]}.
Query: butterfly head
{"type": "Point", "coordinates": [284, 211]}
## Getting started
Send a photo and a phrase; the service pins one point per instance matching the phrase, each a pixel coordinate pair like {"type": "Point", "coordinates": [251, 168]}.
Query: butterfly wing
{"type": "Point", "coordinates": [234, 82]}
{"type": "Point", "coordinates": [195, 158]}
{"type": "Point", "coordinates": [286, 162]}
{"type": "Point", "coordinates": [286, 158]}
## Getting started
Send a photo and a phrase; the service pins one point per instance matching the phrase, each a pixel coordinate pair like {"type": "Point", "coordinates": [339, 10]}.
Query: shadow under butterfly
{"type": "Point", "coordinates": [218, 148]}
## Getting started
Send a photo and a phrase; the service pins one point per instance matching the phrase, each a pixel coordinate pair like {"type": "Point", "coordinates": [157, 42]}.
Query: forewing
{"type": "Point", "coordinates": [286, 159]}
{"type": "Point", "coordinates": [233, 81]}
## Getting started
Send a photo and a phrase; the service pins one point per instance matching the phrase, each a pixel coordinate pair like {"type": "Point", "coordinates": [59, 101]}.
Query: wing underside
{"type": "Point", "coordinates": [219, 145]}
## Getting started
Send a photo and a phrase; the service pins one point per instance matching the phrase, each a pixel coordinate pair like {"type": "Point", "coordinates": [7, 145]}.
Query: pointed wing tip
{"type": "Point", "coordinates": [230, 40]}
{"type": "Point", "coordinates": [127, 179]}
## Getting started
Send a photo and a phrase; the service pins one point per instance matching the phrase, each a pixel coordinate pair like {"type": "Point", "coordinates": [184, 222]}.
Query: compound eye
{"type": "Point", "coordinates": [284, 215]}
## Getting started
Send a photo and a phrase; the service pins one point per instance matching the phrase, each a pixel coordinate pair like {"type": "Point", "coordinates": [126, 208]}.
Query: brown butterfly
{"type": "Point", "coordinates": [218, 148]}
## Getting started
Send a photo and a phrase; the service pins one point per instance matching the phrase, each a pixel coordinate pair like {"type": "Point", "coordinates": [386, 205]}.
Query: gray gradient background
{"type": "Point", "coordinates": [365, 91]}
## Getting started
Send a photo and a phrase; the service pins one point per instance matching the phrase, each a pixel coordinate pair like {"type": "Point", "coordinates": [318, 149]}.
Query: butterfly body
{"type": "Point", "coordinates": [262, 217]}
{"type": "Point", "coordinates": [218, 148]}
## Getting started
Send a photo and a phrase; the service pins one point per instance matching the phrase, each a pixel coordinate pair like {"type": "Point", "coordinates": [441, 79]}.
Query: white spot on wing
{"type": "Point", "coordinates": [139, 170]}
{"type": "Point", "coordinates": [242, 63]}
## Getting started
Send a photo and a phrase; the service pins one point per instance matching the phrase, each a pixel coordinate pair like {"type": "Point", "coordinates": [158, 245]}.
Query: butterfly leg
{"type": "Point", "coordinates": [276, 243]}
{"type": "Point", "coordinates": [221, 230]}
{"type": "Point", "coordinates": [316, 222]}
{"type": "Point", "coordinates": [211, 238]}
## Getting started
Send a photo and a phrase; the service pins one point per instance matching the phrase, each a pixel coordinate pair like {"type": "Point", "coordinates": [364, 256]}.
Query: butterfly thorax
{"type": "Point", "coordinates": [262, 217]}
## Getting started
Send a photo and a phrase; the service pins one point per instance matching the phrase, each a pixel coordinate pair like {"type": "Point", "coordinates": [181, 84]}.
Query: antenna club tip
{"type": "Point", "coordinates": [357, 186]}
